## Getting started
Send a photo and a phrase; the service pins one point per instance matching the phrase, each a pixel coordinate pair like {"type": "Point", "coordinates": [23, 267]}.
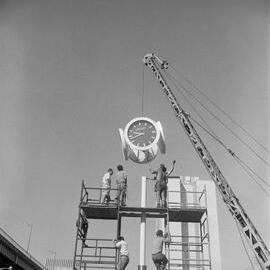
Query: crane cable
{"type": "Point", "coordinates": [142, 97]}
{"type": "Point", "coordinates": [195, 110]}
{"type": "Point", "coordinates": [213, 135]}
{"type": "Point", "coordinates": [240, 162]}
{"type": "Point", "coordinates": [246, 168]}
{"type": "Point", "coordinates": [218, 119]}
{"type": "Point", "coordinates": [220, 109]}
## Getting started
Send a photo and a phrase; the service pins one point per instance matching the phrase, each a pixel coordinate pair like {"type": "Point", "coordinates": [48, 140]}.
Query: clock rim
{"type": "Point", "coordinates": [147, 120]}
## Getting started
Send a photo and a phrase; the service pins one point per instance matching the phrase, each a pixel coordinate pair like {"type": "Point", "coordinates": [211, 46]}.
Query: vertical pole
{"type": "Point", "coordinates": [54, 259]}
{"type": "Point", "coordinates": [118, 233]}
{"type": "Point", "coordinates": [30, 234]}
{"type": "Point", "coordinates": [142, 265]}
{"type": "Point", "coordinates": [77, 231]}
{"type": "Point", "coordinates": [118, 226]}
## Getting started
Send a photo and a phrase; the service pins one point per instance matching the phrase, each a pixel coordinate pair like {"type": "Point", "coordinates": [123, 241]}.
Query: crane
{"type": "Point", "coordinates": [262, 254]}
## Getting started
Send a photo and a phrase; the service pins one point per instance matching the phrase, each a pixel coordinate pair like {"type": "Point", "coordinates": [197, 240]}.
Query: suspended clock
{"type": "Point", "coordinates": [141, 140]}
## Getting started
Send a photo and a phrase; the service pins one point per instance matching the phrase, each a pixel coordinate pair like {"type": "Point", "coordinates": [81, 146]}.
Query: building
{"type": "Point", "coordinates": [195, 236]}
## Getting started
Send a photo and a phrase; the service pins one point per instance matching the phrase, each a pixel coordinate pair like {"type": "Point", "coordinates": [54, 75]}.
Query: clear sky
{"type": "Point", "coordinates": [71, 75]}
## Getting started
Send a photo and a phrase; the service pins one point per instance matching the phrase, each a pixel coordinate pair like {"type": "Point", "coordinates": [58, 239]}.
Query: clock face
{"type": "Point", "coordinates": [142, 133]}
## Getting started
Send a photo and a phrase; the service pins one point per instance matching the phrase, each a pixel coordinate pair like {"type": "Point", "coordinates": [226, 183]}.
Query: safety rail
{"type": "Point", "coordinates": [94, 195]}
{"type": "Point", "coordinates": [187, 246]}
{"type": "Point", "coordinates": [193, 199]}
{"type": "Point", "coordinates": [190, 264]}
{"type": "Point", "coordinates": [97, 253]}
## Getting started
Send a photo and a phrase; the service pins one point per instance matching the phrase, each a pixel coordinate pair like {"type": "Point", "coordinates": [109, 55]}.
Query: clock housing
{"type": "Point", "coordinates": [142, 139]}
{"type": "Point", "coordinates": [141, 133]}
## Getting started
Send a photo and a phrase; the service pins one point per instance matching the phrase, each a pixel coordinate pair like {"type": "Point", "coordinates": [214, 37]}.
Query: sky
{"type": "Point", "coordinates": [71, 74]}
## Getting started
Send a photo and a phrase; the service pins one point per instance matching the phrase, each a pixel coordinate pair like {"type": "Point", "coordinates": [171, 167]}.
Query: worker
{"type": "Point", "coordinates": [121, 183]}
{"type": "Point", "coordinates": [106, 187]}
{"type": "Point", "coordinates": [159, 259]}
{"type": "Point", "coordinates": [121, 244]}
{"type": "Point", "coordinates": [84, 228]}
{"type": "Point", "coordinates": [161, 177]}
{"type": "Point", "coordinates": [82, 224]}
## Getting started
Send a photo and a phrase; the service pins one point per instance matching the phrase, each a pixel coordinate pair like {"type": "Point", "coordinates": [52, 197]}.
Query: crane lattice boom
{"type": "Point", "coordinates": [247, 228]}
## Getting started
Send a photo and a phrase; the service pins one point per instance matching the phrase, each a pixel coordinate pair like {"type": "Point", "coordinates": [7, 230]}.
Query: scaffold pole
{"type": "Point", "coordinates": [142, 265]}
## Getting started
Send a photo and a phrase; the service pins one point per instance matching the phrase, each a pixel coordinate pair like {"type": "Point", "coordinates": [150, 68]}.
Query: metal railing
{"type": "Point", "coordinates": [97, 253]}
{"type": "Point", "coordinates": [192, 199]}
{"type": "Point", "coordinates": [94, 195]}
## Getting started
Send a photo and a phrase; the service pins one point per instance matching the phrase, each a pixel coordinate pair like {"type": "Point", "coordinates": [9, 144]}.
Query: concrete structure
{"type": "Point", "coordinates": [12, 254]}
{"type": "Point", "coordinates": [195, 245]}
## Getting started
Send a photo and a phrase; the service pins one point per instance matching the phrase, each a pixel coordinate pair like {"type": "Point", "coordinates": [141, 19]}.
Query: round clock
{"type": "Point", "coordinates": [141, 139]}
{"type": "Point", "coordinates": [141, 133]}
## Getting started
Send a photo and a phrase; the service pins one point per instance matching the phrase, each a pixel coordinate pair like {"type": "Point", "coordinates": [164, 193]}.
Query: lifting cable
{"type": "Point", "coordinates": [142, 97]}
{"type": "Point", "coordinates": [251, 173]}
{"type": "Point", "coordinates": [218, 119]}
{"type": "Point", "coordinates": [248, 170]}
{"type": "Point", "coordinates": [190, 104]}
{"type": "Point", "coordinates": [180, 87]}
{"type": "Point", "coordinates": [220, 109]}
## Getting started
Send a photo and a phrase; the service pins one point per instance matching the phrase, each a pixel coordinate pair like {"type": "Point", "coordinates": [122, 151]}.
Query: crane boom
{"type": "Point", "coordinates": [247, 228]}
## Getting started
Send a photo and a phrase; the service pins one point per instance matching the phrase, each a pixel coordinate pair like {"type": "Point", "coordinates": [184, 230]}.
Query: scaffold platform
{"type": "Point", "coordinates": [188, 214]}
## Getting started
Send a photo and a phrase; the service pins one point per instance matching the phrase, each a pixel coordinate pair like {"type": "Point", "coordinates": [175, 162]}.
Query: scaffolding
{"type": "Point", "coordinates": [96, 253]}
{"type": "Point", "coordinates": [190, 245]}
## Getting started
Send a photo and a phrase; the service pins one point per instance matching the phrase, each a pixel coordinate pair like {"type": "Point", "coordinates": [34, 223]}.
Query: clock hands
{"type": "Point", "coordinates": [140, 128]}
{"type": "Point", "coordinates": [138, 134]}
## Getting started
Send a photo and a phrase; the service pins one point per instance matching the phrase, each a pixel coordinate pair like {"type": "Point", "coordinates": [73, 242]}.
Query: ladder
{"type": "Point", "coordinates": [166, 225]}
{"type": "Point", "coordinates": [92, 253]}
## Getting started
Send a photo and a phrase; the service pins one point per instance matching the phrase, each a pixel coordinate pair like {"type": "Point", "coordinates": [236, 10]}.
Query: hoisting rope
{"type": "Point", "coordinates": [238, 160]}
{"type": "Point", "coordinates": [221, 110]}
{"type": "Point", "coordinates": [179, 89]}
{"type": "Point", "coordinates": [142, 97]}
{"type": "Point", "coordinates": [174, 82]}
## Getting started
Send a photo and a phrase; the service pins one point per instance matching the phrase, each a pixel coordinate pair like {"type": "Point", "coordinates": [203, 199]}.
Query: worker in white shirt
{"type": "Point", "coordinates": [159, 259]}
{"type": "Point", "coordinates": [106, 187]}
{"type": "Point", "coordinates": [121, 244]}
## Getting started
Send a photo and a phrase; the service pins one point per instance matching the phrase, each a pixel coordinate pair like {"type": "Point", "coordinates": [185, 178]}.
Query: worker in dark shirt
{"type": "Point", "coordinates": [161, 177]}
{"type": "Point", "coordinates": [121, 183]}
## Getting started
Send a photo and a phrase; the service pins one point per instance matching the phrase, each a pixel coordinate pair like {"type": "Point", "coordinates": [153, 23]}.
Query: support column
{"type": "Point", "coordinates": [142, 265]}
{"type": "Point", "coordinates": [118, 227]}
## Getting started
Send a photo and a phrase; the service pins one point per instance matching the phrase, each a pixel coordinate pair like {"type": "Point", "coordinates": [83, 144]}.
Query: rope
{"type": "Point", "coordinates": [246, 168]}
{"type": "Point", "coordinates": [222, 110]}
{"type": "Point", "coordinates": [142, 97]}
{"type": "Point", "coordinates": [224, 125]}
{"type": "Point", "coordinates": [238, 160]}
{"type": "Point", "coordinates": [190, 104]}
